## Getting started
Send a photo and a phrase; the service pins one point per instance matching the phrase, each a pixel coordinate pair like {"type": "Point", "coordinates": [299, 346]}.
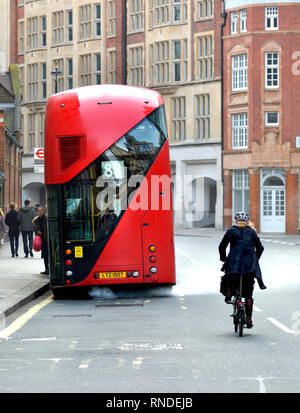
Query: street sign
{"type": "Point", "coordinates": [38, 160]}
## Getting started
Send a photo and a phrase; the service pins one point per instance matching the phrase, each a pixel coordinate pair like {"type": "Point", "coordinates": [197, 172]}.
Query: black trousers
{"type": "Point", "coordinates": [14, 243]}
{"type": "Point", "coordinates": [27, 237]}
{"type": "Point", "coordinates": [233, 283]}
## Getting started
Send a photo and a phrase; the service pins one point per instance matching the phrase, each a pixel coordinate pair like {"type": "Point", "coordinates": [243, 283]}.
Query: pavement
{"type": "Point", "coordinates": [21, 281]}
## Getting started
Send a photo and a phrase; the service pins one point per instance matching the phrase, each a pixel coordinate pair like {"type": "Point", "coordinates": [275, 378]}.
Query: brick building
{"type": "Point", "coordinates": [261, 101]}
{"type": "Point", "coordinates": [172, 46]}
{"type": "Point", "coordinates": [10, 147]}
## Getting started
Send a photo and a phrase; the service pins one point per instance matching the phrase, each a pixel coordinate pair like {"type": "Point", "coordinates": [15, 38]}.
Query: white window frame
{"type": "Point", "coordinates": [267, 123]}
{"type": "Point", "coordinates": [272, 70]}
{"type": "Point", "coordinates": [234, 22]}
{"type": "Point", "coordinates": [239, 130]}
{"type": "Point", "coordinates": [243, 20]}
{"type": "Point", "coordinates": [240, 182]}
{"type": "Point", "coordinates": [239, 72]}
{"type": "Point", "coordinates": [272, 17]}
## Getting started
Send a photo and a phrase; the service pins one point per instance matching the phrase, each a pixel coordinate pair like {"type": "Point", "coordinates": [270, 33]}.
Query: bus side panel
{"type": "Point", "coordinates": [125, 245]}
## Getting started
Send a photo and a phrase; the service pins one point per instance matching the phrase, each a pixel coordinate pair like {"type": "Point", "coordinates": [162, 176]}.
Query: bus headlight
{"type": "Point", "coordinates": [153, 270]}
{"type": "Point", "coordinates": [69, 273]}
{"type": "Point", "coordinates": [135, 273]}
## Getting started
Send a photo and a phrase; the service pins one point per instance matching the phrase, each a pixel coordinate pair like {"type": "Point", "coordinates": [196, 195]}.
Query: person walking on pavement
{"type": "Point", "coordinates": [11, 220]}
{"type": "Point", "coordinates": [41, 222]}
{"type": "Point", "coordinates": [2, 227]}
{"type": "Point", "coordinates": [25, 217]}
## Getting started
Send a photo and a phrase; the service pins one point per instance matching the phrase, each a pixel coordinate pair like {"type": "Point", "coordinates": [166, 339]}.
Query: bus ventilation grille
{"type": "Point", "coordinates": [71, 150]}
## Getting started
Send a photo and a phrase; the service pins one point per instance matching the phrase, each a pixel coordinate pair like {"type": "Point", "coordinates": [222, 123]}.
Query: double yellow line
{"type": "Point", "coordinates": [19, 322]}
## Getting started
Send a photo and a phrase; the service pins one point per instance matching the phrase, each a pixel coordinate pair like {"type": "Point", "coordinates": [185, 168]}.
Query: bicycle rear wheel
{"type": "Point", "coordinates": [241, 325]}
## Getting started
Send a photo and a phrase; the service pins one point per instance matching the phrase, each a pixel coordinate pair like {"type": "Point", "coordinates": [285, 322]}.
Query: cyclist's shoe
{"type": "Point", "coordinates": [227, 300]}
{"type": "Point", "coordinates": [249, 323]}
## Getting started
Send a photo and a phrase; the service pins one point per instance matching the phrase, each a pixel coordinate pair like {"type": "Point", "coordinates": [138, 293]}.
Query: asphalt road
{"type": "Point", "coordinates": [161, 341]}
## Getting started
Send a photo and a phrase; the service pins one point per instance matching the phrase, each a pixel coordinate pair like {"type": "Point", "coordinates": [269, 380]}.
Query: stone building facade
{"type": "Point", "coordinates": [172, 46]}
{"type": "Point", "coordinates": [261, 156]}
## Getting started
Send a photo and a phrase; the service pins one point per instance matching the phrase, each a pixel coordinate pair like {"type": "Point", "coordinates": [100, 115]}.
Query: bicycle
{"type": "Point", "coordinates": [239, 310]}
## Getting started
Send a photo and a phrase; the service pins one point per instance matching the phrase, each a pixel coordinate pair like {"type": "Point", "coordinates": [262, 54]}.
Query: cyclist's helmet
{"type": "Point", "coordinates": [242, 217]}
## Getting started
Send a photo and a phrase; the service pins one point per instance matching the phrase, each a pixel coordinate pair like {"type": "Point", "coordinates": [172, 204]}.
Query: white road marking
{"type": "Point", "coordinates": [280, 325]}
{"type": "Point", "coordinates": [137, 362]}
{"type": "Point", "coordinates": [255, 308]}
{"type": "Point", "coordinates": [85, 364]}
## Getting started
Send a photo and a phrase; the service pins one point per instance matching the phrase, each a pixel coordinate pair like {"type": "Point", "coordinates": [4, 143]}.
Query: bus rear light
{"type": "Point", "coordinates": [68, 281]}
{"type": "Point", "coordinates": [69, 273]}
{"type": "Point", "coordinates": [152, 248]}
{"type": "Point", "coordinates": [69, 262]}
{"type": "Point", "coordinates": [154, 278]}
{"type": "Point", "coordinates": [153, 270]}
{"type": "Point", "coordinates": [152, 258]}
{"type": "Point", "coordinates": [135, 274]}
{"type": "Point", "coordinates": [68, 252]}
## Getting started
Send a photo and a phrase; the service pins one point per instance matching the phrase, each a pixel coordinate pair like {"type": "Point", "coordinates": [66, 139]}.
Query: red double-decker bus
{"type": "Point", "coordinates": [107, 174]}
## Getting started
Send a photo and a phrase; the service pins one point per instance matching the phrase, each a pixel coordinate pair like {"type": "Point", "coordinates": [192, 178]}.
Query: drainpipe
{"type": "Point", "coordinates": [124, 41]}
{"type": "Point", "coordinates": [223, 15]}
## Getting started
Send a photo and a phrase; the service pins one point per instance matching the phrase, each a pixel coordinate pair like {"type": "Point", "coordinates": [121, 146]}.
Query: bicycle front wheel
{"type": "Point", "coordinates": [241, 325]}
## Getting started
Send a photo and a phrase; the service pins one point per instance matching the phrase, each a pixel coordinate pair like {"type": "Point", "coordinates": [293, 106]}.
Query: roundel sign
{"type": "Point", "coordinates": [39, 157]}
{"type": "Point", "coordinates": [39, 154]}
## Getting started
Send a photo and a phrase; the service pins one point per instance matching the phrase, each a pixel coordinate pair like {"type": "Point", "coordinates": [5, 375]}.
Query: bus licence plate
{"type": "Point", "coordinates": [117, 274]}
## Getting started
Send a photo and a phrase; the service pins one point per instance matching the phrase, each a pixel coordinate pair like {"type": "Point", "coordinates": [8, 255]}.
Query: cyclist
{"type": "Point", "coordinates": [245, 251]}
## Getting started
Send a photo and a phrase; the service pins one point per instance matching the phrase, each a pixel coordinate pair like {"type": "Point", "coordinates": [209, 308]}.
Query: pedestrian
{"type": "Point", "coordinates": [41, 222]}
{"type": "Point", "coordinates": [25, 217]}
{"type": "Point", "coordinates": [243, 259]}
{"type": "Point", "coordinates": [2, 227]}
{"type": "Point", "coordinates": [11, 220]}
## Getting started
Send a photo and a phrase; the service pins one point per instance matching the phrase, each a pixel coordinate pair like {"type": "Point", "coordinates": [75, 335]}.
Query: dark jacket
{"type": "Point", "coordinates": [41, 224]}
{"type": "Point", "coordinates": [11, 220]}
{"type": "Point", "coordinates": [245, 251]}
{"type": "Point", "coordinates": [25, 217]}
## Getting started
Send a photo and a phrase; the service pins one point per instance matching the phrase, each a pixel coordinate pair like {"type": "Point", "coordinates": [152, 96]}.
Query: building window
{"type": "Point", "coordinates": [136, 66]}
{"type": "Point", "coordinates": [85, 70]}
{"type": "Point", "coordinates": [272, 119]}
{"type": "Point", "coordinates": [205, 57]}
{"type": "Point", "coordinates": [240, 72]}
{"type": "Point", "coordinates": [243, 20]}
{"type": "Point", "coordinates": [58, 27]}
{"type": "Point", "coordinates": [163, 12]}
{"type": "Point", "coordinates": [31, 129]}
{"type": "Point", "coordinates": [240, 131]}
{"type": "Point", "coordinates": [240, 191]}
{"type": "Point", "coordinates": [69, 21]}
{"type": "Point", "coordinates": [85, 22]}
{"type": "Point", "coordinates": [43, 32]}
{"type": "Point", "coordinates": [272, 70]}
{"type": "Point", "coordinates": [203, 116]}
{"type": "Point", "coordinates": [205, 9]}
{"type": "Point", "coordinates": [43, 80]}
{"type": "Point", "coordinates": [32, 31]}
{"type": "Point", "coordinates": [21, 37]}
{"type": "Point", "coordinates": [180, 60]}
{"type": "Point", "coordinates": [233, 20]}
{"type": "Point", "coordinates": [271, 18]}
{"type": "Point", "coordinates": [69, 73]}
{"type": "Point", "coordinates": [159, 57]}
{"type": "Point", "coordinates": [42, 126]}
{"type": "Point", "coordinates": [111, 18]}
{"type": "Point", "coordinates": [97, 20]}
{"type": "Point", "coordinates": [179, 118]}
{"type": "Point", "coordinates": [97, 68]}
{"type": "Point", "coordinates": [33, 81]}
{"type": "Point", "coordinates": [136, 15]}
{"type": "Point", "coordinates": [112, 74]}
